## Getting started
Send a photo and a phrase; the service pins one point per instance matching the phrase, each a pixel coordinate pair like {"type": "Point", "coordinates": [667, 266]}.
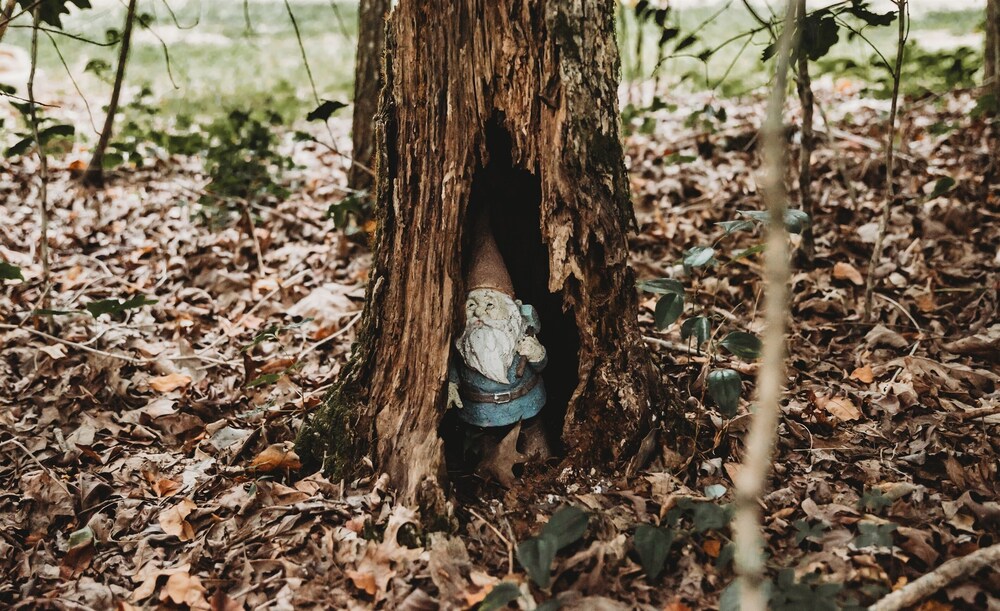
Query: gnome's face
{"type": "Point", "coordinates": [493, 326]}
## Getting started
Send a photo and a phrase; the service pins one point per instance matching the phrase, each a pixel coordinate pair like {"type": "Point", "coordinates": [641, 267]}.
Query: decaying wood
{"type": "Point", "coordinates": [544, 73]}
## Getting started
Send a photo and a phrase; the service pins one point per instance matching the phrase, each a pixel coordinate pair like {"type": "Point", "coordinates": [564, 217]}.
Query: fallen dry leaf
{"type": "Point", "coordinates": [840, 407]}
{"type": "Point", "coordinates": [863, 374]}
{"type": "Point", "coordinates": [276, 456]}
{"type": "Point", "coordinates": [362, 580]}
{"type": "Point", "coordinates": [169, 382]}
{"type": "Point", "coordinates": [185, 589]}
{"type": "Point", "coordinates": [846, 271]}
{"type": "Point", "coordinates": [172, 520]}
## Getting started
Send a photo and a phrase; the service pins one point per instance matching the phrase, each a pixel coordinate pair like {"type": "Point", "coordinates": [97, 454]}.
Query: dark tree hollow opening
{"type": "Point", "coordinates": [511, 196]}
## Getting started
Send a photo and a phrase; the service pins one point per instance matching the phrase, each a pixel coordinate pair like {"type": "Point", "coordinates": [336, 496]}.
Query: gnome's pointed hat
{"type": "Point", "coordinates": [487, 269]}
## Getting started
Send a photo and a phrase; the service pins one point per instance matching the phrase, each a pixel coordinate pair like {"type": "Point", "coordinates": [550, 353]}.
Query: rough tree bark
{"type": "Point", "coordinates": [509, 106]}
{"type": "Point", "coordinates": [94, 175]}
{"type": "Point", "coordinates": [6, 15]}
{"type": "Point", "coordinates": [367, 82]}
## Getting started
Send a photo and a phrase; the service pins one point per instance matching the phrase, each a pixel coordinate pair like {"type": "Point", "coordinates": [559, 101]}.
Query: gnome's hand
{"type": "Point", "coordinates": [530, 347]}
{"type": "Point", "coordinates": [454, 400]}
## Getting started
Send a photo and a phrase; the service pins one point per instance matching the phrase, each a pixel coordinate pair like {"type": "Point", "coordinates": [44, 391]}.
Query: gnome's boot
{"type": "Point", "coordinates": [533, 443]}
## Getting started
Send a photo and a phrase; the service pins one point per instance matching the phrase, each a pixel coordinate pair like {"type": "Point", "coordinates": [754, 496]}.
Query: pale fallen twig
{"type": "Point", "coordinates": [915, 591]}
{"type": "Point", "coordinates": [506, 541]}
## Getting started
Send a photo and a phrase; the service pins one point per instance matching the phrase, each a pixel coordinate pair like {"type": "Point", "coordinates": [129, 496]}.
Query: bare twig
{"type": "Point", "coordinates": [506, 541]}
{"type": "Point", "coordinates": [50, 473]}
{"type": "Point", "coordinates": [804, 87]}
{"type": "Point", "coordinates": [749, 539]}
{"type": "Point", "coordinates": [671, 346]}
{"type": "Point", "coordinates": [78, 345]}
{"type": "Point", "coordinates": [890, 148]}
{"type": "Point", "coordinates": [333, 336]}
{"type": "Point", "coordinates": [43, 193]}
{"type": "Point", "coordinates": [915, 591]}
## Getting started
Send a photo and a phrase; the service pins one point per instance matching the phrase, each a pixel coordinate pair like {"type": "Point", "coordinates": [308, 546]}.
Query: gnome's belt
{"type": "Point", "coordinates": [506, 396]}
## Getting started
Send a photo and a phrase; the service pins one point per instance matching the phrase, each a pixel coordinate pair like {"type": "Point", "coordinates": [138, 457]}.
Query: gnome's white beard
{"type": "Point", "coordinates": [489, 345]}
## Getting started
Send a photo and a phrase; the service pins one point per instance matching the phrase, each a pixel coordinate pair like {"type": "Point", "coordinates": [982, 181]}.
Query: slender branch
{"type": "Point", "coordinates": [43, 193]}
{"type": "Point", "coordinates": [72, 79]}
{"type": "Point", "coordinates": [749, 557]}
{"type": "Point", "coordinates": [890, 160]}
{"type": "Point", "coordinates": [94, 176]}
{"type": "Point", "coordinates": [305, 62]}
{"type": "Point", "coordinates": [915, 591]}
{"type": "Point", "coordinates": [84, 347]}
{"type": "Point", "coordinates": [166, 50]}
{"type": "Point", "coordinates": [77, 37]}
{"type": "Point", "coordinates": [804, 87]}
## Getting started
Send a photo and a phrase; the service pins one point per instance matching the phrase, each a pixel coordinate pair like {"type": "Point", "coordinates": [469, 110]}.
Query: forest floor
{"type": "Point", "coordinates": [146, 452]}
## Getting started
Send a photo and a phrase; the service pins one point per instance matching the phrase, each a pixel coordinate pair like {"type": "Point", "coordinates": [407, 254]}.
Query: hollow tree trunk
{"type": "Point", "coordinates": [94, 175]}
{"type": "Point", "coordinates": [367, 82]}
{"type": "Point", "coordinates": [507, 106]}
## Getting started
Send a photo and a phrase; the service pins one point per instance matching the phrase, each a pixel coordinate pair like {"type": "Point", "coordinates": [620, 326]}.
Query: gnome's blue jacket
{"type": "Point", "coordinates": [504, 410]}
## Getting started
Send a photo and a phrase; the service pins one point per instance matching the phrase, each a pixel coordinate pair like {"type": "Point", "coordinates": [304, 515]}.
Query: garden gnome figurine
{"type": "Point", "coordinates": [496, 382]}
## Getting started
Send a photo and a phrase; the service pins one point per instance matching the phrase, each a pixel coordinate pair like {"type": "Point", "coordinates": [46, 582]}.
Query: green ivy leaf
{"type": "Point", "coordinates": [734, 226]}
{"type": "Point", "coordinates": [115, 306]}
{"type": "Point", "coordinates": [20, 147]}
{"type": "Point", "coordinates": [668, 310]}
{"type": "Point", "coordinates": [819, 34]}
{"type": "Point", "coordinates": [744, 345]}
{"type": "Point", "coordinates": [325, 110]}
{"type": "Point", "coordinates": [699, 327]}
{"type": "Point", "coordinates": [874, 534]}
{"type": "Point", "coordinates": [503, 593]}
{"type": "Point", "coordinates": [566, 525]}
{"type": "Point", "coordinates": [662, 286]}
{"type": "Point", "coordinates": [652, 543]}
{"type": "Point", "coordinates": [536, 555]}
{"type": "Point", "coordinates": [859, 10]}
{"type": "Point", "coordinates": [699, 256]}
{"type": "Point", "coordinates": [804, 530]}
{"type": "Point", "coordinates": [795, 220]}
{"type": "Point", "coordinates": [264, 380]}
{"type": "Point", "coordinates": [874, 501]}
{"type": "Point", "coordinates": [709, 516]}
{"type": "Point", "coordinates": [725, 386]}
{"type": "Point", "coordinates": [10, 272]}
{"type": "Point", "coordinates": [942, 186]}
{"type": "Point", "coordinates": [51, 11]}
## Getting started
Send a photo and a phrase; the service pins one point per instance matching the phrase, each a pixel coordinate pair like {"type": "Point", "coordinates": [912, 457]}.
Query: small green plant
{"type": "Point", "coordinates": [9, 271]}
{"type": "Point", "coordinates": [243, 164]}
{"type": "Point", "coordinates": [536, 554]}
{"type": "Point", "coordinates": [724, 385]}
{"type": "Point", "coordinates": [49, 130]}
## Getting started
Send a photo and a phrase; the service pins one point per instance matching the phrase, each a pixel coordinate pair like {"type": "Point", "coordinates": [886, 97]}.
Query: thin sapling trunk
{"type": "Point", "coordinates": [367, 82]}
{"type": "Point", "coordinates": [43, 192]}
{"type": "Point", "coordinates": [94, 175]}
{"type": "Point", "coordinates": [749, 538]}
{"type": "Point", "coordinates": [804, 85]}
{"type": "Point", "coordinates": [890, 160]}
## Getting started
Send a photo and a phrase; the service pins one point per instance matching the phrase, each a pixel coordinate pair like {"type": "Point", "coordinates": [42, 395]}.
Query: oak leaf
{"type": "Point", "coordinates": [169, 382]}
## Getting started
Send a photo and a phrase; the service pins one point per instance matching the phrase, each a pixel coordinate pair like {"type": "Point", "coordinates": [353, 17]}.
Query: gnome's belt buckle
{"type": "Point", "coordinates": [506, 396]}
